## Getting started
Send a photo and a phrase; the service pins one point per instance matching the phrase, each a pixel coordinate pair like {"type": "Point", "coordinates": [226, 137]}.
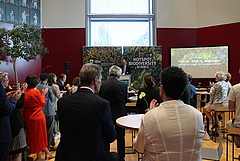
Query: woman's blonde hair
{"type": "Point", "coordinates": [221, 75]}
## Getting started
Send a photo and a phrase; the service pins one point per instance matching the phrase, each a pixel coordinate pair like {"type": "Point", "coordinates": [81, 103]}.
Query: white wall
{"type": "Point", "coordinates": [176, 14]}
{"type": "Point", "coordinates": [63, 13]}
{"type": "Point", "coordinates": [170, 13]}
{"type": "Point", "coordinates": [217, 12]}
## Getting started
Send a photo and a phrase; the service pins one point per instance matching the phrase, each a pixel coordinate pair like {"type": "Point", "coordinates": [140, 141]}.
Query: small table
{"type": "Point", "coordinates": [133, 98]}
{"type": "Point", "coordinates": [199, 99]}
{"type": "Point", "coordinates": [130, 122]}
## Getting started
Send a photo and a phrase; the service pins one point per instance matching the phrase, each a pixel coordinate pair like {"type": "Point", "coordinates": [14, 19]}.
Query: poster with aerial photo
{"type": "Point", "coordinates": [35, 18]}
{"type": "Point", "coordinates": [103, 56]}
{"type": "Point", "coordinates": [12, 15]}
{"type": "Point", "coordinates": [143, 61]}
{"type": "Point", "coordinates": [2, 12]}
{"type": "Point", "coordinates": [24, 15]}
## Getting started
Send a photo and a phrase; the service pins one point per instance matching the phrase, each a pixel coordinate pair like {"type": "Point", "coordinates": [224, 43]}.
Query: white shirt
{"type": "Point", "coordinates": [234, 95]}
{"type": "Point", "coordinates": [173, 131]}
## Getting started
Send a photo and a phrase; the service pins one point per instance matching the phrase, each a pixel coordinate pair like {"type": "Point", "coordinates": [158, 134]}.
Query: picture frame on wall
{"type": "Point", "coordinates": [12, 2]}
{"type": "Point", "coordinates": [24, 3]}
{"type": "Point", "coordinates": [2, 12]}
{"type": "Point", "coordinates": [35, 18]}
{"type": "Point", "coordinates": [12, 14]}
{"type": "Point", "coordinates": [35, 4]}
{"type": "Point", "coordinates": [24, 16]}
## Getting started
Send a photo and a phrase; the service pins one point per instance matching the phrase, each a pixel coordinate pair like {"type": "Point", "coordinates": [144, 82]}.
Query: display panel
{"type": "Point", "coordinates": [201, 62]}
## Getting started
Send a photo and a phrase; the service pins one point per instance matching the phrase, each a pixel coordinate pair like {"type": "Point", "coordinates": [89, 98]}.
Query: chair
{"type": "Point", "coordinates": [232, 132]}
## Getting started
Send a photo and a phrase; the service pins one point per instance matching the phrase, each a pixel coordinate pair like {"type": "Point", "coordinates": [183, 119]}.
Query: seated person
{"type": "Point", "coordinates": [218, 97]}
{"type": "Point", "coordinates": [234, 104]}
{"type": "Point", "coordinates": [146, 95]}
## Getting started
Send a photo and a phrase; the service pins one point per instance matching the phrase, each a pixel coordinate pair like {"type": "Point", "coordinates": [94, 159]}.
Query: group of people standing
{"type": "Point", "coordinates": [28, 117]}
{"type": "Point", "coordinates": [87, 113]}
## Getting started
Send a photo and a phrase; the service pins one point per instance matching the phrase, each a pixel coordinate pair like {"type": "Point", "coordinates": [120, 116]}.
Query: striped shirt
{"type": "Point", "coordinates": [173, 131]}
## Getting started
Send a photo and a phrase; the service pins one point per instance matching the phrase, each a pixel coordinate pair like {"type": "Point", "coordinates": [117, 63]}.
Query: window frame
{"type": "Point", "coordinates": [150, 17]}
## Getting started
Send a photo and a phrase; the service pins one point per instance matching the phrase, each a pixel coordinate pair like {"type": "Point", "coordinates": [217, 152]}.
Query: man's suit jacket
{"type": "Point", "coordinates": [86, 127]}
{"type": "Point", "coordinates": [48, 109]}
{"type": "Point", "coordinates": [6, 109]}
{"type": "Point", "coordinates": [128, 69]}
{"type": "Point", "coordinates": [116, 93]}
{"type": "Point", "coordinates": [61, 86]}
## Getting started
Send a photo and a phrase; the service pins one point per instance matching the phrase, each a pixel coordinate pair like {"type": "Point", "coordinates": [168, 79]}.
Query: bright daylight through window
{"type": "Point", "coordinates": [120, 23]}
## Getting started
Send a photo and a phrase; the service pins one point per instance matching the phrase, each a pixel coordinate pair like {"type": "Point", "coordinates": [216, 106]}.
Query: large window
{"type": "Point", "coordinates": [121, 23]}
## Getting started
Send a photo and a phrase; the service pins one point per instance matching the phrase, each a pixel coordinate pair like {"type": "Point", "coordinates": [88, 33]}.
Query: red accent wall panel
{"type": "Point", "coordinates": [228, 34]}
{"type": "Point", "coordinates": [64, 45]}
{"type": "Point", "coordinates": [174, 37]}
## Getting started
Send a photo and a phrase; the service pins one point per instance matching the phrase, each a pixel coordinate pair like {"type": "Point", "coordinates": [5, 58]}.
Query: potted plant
{"type": "Point", "coordinates": [22, 41]}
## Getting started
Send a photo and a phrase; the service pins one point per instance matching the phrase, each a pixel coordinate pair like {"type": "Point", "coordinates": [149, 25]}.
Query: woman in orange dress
{"type": "Point", "coordinates": [34, 118]}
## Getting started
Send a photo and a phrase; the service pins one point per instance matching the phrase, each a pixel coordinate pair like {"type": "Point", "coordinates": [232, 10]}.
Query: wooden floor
{"type": "Point", "coordinates": [134, 157]}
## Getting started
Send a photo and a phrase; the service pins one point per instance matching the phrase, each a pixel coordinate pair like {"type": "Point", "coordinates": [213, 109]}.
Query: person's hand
{"type": "Point", "coordinates": [24, 87]}
{"type": "Point", "coordinates": [67, 86]}
{"type": "Point", "coordinates": [153, 104]}
{"type": "Point", "coordinates": [136, 91]}
{"type": "Point", "coordinates": [17, 94]}
{"type": "Point", "coordinates": [10, 94]}
{"type": "Point", "coordinates": [64, 92]}
{"type": "Point", "coordinates": [211, 84]}
{"type": "Point", "coordinates": [44, 91]}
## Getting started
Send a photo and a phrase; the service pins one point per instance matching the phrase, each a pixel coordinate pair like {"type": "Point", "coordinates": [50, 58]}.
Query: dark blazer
{"type": "Point", "coordinates": [186, 95]}
{"type": "Point", "coordinates": [61, 86]}
{"type": "Point", "coordinates": [16, 119]}
{"type": "Point", "coordinates": [6, 109]}
{"type": "Point", "coordinates": [128, 69]}
{"type": "Point", "coordinates": [86, 127]}
{"type": "Point", "coordinates": [116, 93]}
{"type": "Point", "coordinates": [151, 93]}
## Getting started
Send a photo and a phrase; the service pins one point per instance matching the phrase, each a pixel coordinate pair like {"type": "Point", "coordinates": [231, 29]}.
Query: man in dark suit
{"type": "Point", "coordinates": [116, 93]}
{"type": "Point", "coordinates": [61, 83]}
{"type": "Point", "coordinates": [125, 68]}
{"type": "Point", "coordinates": [85, 121]}
{"type": "Point", "coordinates": [7, 107]}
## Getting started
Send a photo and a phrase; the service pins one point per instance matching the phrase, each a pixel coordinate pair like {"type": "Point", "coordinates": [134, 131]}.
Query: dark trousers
{"type": "Point", "coordinates": [50, 127]}
{"type": "Point", "coordinates": [120, 142]}
{"type": "Point", "coordinates": [4, 149]}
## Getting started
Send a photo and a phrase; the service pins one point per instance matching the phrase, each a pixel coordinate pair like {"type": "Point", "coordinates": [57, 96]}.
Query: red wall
{"type": "Point", "coordinates": [23, 68]}
{"type": "Point", "coordinates": [224, 35]}
{"type": "Point", "coordinates": [64, 45]}
{"type": "Point", "coordinates": [209, 36]}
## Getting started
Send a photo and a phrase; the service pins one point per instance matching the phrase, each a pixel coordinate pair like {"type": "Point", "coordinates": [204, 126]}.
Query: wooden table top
{"type": "Point", "coordinates": [203, 93]}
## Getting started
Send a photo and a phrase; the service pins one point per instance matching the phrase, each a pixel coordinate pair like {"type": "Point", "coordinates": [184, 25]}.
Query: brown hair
{"type": "Point", "coordinates": [149, 81]}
